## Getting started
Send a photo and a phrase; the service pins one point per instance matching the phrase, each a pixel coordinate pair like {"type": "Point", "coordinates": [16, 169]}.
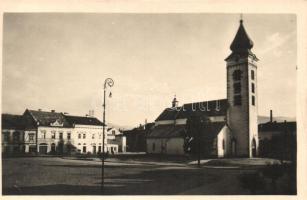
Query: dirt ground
{"type": "Point", "coordinates": [129, 176]}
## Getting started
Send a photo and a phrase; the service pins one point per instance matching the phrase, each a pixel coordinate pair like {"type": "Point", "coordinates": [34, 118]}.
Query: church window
{"type": "Point", "coordinates": [253, 88]}
{"type": "Point", "coordinates": [237, 87]}
{"type": "Point", "coordinates": [153, 146]}
{"type": "Point", "coordinates": [253, 75]}
{"type": "Point", "coordinates": [253, 100]}
{"type": "Point", "coordinates": [237, 100]}
{"type": "Point", "coordinates": [223, 144]}
{"type": "Point", "coordinates": [237, 75]}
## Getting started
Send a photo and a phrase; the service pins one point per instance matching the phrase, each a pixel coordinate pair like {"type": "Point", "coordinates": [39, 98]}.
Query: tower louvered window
{"type": "Point", "coordinates": [237, 76]}
{"type": "Point", "coordinates": [237, 87]}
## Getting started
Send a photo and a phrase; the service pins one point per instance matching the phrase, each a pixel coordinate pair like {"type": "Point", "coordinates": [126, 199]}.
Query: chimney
{"type": "Point", "coordinates": [271, 116]}
{"type": "Point", "coordinates": [53, 111]}
{"type": "Point", "coordinates": [39, 109]}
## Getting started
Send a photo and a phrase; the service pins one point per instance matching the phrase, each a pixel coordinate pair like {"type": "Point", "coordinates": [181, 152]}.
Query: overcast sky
{"type": "Point", "coordinates": [60, 61]}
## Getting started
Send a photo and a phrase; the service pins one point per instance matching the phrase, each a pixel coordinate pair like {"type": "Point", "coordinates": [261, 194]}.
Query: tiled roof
{"type": "Point", "coordinates": [167, 131]}
{"type": "Point", "coordinates": [205, 108]}
{"type": "Point", "coordinates": [12, 122]}
{"type": "Point", "coordinates": [277, 126]}
{"type": "Point", "coordinates": [45, 118]}
{"type": "Point", "coordinates": [167, 114]}
{"type": "Point", "coordinates": [170, 131]}
{"type": "Point", "coordinates": [83, 120]}
{"type": "Point", "coordinates": [211, 130]}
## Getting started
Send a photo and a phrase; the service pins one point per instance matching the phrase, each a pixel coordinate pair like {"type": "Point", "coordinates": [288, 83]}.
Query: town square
{"type": "Point", "coordinates": [149, 104]}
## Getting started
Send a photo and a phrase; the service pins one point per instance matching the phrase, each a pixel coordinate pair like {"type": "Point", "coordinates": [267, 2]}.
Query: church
{"type": "Point", "coordinates": [232, 130]}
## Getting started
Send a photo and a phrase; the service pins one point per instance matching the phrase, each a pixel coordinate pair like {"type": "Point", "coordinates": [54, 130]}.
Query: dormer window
{"type": "Point", "coordinates": [218, 106]}
{"type": "Point", "coordinates": [208, 109]}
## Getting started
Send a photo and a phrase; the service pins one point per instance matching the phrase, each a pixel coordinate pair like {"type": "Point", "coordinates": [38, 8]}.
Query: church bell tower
{"type": "Point", "coordinates": [242, 96]}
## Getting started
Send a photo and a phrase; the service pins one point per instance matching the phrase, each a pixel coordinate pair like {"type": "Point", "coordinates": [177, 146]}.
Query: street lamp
{"type": "Point", "coordinates": [108, 82]}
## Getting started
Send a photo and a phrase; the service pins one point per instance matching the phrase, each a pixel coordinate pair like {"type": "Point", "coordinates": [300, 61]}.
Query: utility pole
{"type": "Point", "coordinates": [108, 82]}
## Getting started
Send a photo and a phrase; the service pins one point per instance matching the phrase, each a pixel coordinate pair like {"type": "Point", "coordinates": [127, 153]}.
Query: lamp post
{"type": "Point", "coordinates": [108, 82]}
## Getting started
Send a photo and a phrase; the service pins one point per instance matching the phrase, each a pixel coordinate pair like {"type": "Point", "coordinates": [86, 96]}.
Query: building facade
{"type": "Point", "coordinates": [50, 132]}
{"type": "Point", "coordinates": [12, 134]}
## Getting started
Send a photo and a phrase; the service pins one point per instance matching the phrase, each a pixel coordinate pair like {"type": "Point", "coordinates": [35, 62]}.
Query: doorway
{"type": "Point", "coordinates": [254, 148]}
{"type": "Point", "coordinates": [233, 148]}
{"type": "Point", "coordinates": [43, 148]}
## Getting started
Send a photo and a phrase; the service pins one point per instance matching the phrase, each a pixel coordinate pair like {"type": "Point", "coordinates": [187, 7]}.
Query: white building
{"type": "Point", "coordinates": [233, 129]}
{"type": "Point", "coordinates": [53, 132]}
{"type": "Point", "coordinates": [116, 141]}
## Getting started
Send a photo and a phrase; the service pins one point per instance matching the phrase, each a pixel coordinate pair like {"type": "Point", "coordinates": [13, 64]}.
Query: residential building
{"type": "Point", "coordinates": [12, 134]}
{"type": "Point", "coordinates": [50, 132]}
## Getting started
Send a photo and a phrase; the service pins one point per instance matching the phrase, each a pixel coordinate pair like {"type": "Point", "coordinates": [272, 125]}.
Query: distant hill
{"type": "Point", "coordinates": [121, 127]}
{"type": "Point", "coordinates": [264, 119]}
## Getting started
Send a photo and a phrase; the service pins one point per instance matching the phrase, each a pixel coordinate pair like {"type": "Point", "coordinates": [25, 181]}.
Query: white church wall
{"type": "Point", "coordinates": [174, 146]}
{"type": "Point", "coordinates": [238, 117]}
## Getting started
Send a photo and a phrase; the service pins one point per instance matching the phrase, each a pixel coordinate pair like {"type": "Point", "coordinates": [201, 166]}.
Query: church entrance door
{"type": "Point", "coordinates": [254, 148]}
{"type": "Point", "coordinates": [233, 147]}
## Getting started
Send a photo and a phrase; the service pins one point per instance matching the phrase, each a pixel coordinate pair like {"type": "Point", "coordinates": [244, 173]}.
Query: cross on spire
{"type": "Point", "coordinates": [241, 18]}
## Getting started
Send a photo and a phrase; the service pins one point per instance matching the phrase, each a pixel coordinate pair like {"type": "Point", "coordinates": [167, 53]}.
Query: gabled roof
{"type": "Point", "coordinates": [12, 122]}
{"type": "Point", "coordinates": [80, 120]}
{"type": "Point", "coordinates": [45, 118]}
{"type": "Point", "coordinates": [277, 126]}
{"type": "Point", "coordinates": [211, 130]}
{"type": "Point", "coordinates": [205, 108]}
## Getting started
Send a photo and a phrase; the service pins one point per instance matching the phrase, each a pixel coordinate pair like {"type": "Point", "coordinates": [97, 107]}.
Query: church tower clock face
{"type": "Point", "coordinates": [242, 95]}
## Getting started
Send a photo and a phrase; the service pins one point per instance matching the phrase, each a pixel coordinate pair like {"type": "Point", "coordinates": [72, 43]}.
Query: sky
{"type": "Point", "coordinates": [60, 61]}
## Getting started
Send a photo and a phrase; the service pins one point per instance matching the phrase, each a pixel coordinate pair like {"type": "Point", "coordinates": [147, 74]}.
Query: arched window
{"type": "Point", "coordinates": [237, 87]}
{"type": "Point", "coordinates": [237, 100]}
{"type": "Point", "coordinates": [253, 88]}
{"type": "Point", "coordinates": [53, 148]}
{"type": "Point", "coordinates": [254, 148]}
{"type": "Point", "coordinates": [223, 143]}
{"type": "Point", "coordinates": [253, 75]}
{"type": "Point", "coordinates": [153, 146]}
{"type": "Point", "coordinates": [233, 147]}
{"type": "Point", "coordinates": [237, 75]}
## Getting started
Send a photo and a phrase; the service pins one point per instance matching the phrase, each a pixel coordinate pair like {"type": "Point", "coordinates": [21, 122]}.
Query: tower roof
{"type": "Point", "coordinates": [241, 42]}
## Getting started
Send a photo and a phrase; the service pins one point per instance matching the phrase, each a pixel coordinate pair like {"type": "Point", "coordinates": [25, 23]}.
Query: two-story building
{"type": "Point", "coordinates": [12, 134]}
